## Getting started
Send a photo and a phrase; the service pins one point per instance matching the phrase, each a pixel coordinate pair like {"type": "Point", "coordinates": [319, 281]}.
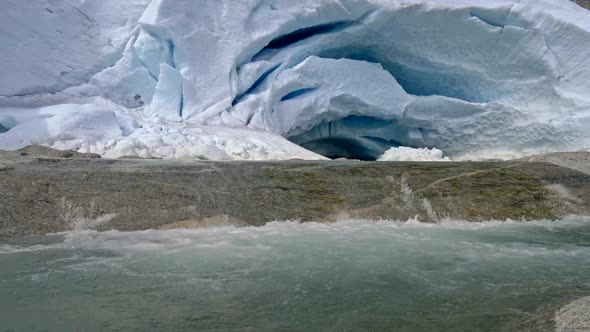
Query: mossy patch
{"type": "Point", "coordinates": [495, 194]}
{"type": "Point", "coordinates": [310, 187]}
{"type": "Point", "coordinates": [318, 189]}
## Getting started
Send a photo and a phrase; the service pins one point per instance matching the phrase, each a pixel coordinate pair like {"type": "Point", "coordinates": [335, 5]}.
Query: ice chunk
{"type": "Point", "coordinates": [128, 82]}
{"type": "Point", "coordinates": [47, 125]}
{"type": "Point", "coordinates": [409, 154]}
{"type": "Point", "coordinates": [150, 53]}
{"type": "Point", "coordinates": [167, 102]}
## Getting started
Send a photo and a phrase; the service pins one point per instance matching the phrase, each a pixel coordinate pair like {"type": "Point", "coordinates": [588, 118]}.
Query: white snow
{"type": "Point", "coordinates": [409, 154]}
{"type": "Point", "coordinates": [252, 79]}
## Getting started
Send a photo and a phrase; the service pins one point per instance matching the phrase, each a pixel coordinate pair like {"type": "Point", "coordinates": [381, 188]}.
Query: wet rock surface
{"type": "Point", "coordinates": [566, 315]}
{"type": "Point", "coordinates": [583, 3]}
{"type": "Point", "coordinates": [575, 316]}
{"type": "Point", "coordinates": [43, 151]}
{"type": "Point", "coordinates": [42, 195]}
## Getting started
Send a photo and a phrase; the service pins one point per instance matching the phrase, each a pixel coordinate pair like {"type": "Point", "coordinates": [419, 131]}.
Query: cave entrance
{"type": "Point", "coordinates": [343, 147]}
{"type": "Point", "coordinates": [353, 137]}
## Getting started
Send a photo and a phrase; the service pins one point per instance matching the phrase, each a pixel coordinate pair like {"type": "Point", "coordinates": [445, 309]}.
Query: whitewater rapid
{"type": "Point", "coordinates": [368, 275]}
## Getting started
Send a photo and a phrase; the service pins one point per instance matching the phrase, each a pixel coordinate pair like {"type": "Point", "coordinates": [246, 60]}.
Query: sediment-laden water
{"type": "Point", "coordinates": [348, 276]}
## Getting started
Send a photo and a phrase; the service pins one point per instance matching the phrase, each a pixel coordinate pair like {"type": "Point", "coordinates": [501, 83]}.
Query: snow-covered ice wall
{"type": "Point", "coordinates": [264, 79]}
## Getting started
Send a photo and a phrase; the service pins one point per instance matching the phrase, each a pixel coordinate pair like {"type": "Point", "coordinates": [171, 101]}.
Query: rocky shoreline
{"type": "Point", "coordinates": [566, 315]}
{"type": "Point", "coordinates": [43, 192]}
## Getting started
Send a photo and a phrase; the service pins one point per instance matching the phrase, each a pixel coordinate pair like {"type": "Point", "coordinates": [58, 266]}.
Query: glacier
{"type": "Point", "coordinates": [282, 79]}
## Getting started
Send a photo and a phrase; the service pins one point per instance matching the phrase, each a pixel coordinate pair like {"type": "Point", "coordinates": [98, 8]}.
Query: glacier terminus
{"type": "Point", "coordinates": [283, 79]}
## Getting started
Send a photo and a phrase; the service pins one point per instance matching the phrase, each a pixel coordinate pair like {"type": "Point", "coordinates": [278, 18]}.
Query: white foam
{"type": "Point", "coordinates": [251, 237]}
{"type": "Point", "coordinates": [410, 154]}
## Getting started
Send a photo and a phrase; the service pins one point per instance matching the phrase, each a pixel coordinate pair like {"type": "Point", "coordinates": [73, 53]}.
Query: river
{"type": "Point", "coordinates": [349, 276]}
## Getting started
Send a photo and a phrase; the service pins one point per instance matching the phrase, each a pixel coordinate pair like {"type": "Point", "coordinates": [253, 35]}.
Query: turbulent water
{"type": "Point", "coordinates": [354, 275]}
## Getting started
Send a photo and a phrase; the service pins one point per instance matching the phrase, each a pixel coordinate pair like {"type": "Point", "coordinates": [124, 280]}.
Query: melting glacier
{"type": "Point", "coordinates": [279, 79]}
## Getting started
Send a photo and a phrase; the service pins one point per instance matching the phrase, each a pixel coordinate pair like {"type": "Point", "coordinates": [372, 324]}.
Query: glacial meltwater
{"type": "Point", "coordinates": [285, 276]}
